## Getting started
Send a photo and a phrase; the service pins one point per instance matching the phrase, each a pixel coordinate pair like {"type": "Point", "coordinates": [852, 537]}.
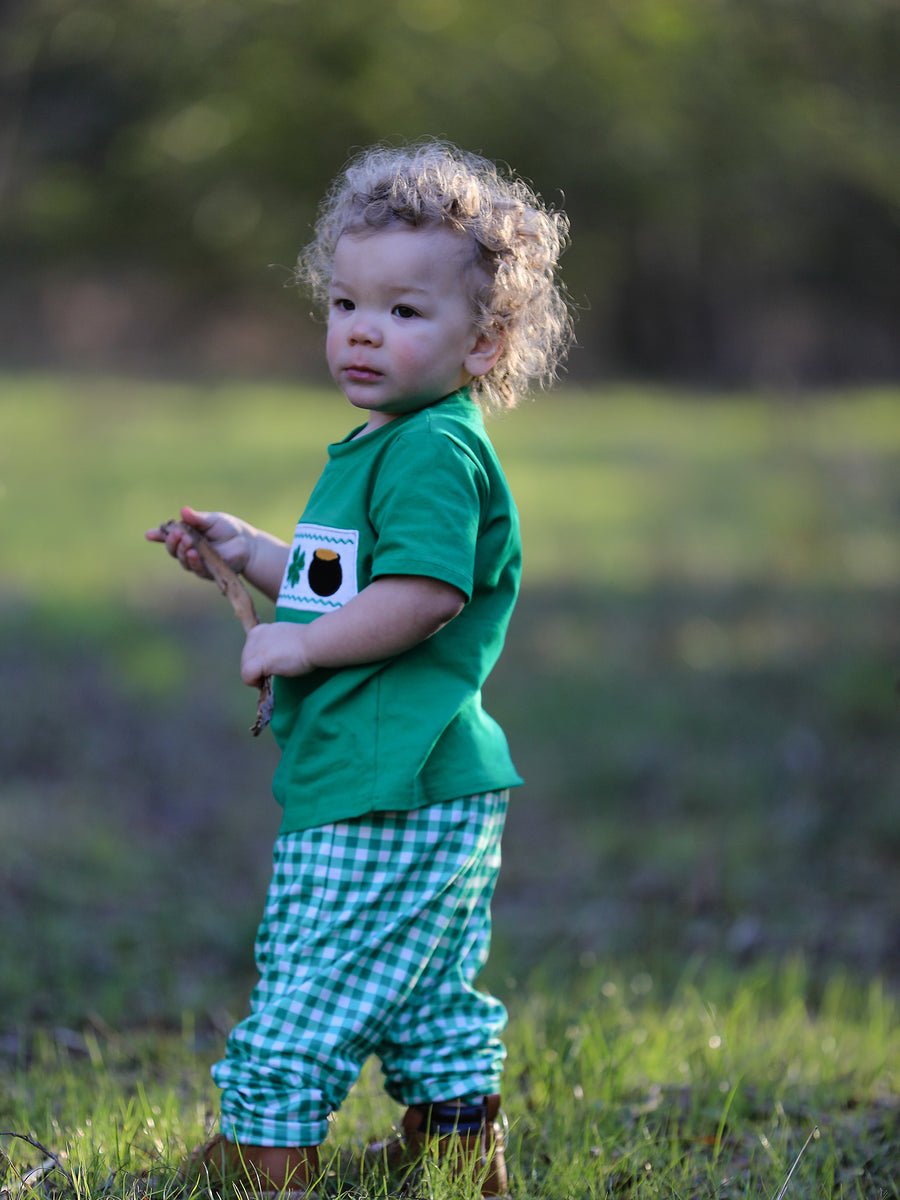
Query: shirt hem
{"type": "Point", "coordinates": [296, 823]}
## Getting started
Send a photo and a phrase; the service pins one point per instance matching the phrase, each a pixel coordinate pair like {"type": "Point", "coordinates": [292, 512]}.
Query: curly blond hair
{"type": "Point", "coordinates": [516, 240]}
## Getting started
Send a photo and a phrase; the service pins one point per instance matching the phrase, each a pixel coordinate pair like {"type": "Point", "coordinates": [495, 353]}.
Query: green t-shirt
{"type": "Point", "coordinates": [422, 495]}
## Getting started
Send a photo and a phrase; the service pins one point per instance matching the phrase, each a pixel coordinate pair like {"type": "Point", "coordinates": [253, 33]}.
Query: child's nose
{"type": "Point", "coordinates": [365, 329]}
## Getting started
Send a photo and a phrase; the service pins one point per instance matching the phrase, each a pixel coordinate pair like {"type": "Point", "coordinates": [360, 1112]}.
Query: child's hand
{"type": "Point", "coordinates": [274, 650]}
{"type": "Point", "coordinates": [227, 534]}
{"type": "Point", "coordinates": [389, 617]}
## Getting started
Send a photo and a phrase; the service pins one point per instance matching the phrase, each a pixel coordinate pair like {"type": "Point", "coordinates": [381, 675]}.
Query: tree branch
{"type": "Point", "coordinates": [238, 597]}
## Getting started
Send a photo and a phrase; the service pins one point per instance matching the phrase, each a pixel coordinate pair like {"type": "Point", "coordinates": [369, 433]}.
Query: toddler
{"type": "Point", "coordinates": [392, 602]}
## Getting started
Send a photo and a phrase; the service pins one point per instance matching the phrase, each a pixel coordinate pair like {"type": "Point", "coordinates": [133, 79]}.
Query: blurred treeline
{"type": "Point", "coordinates": [730, 168]}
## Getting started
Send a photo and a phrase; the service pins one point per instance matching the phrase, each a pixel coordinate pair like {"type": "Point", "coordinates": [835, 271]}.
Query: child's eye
{"type": "Point", "coordinates": [404, 310]}
{"type": "Point", "coordinates": [343, 304]}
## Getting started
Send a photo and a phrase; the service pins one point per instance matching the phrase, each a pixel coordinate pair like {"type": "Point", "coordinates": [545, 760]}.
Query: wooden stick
{"type": "Point", "coordinates": [238, 597]}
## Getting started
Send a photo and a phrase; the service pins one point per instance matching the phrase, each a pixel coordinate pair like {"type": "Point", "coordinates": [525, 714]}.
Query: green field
{"type": "Point", "coordinates": [624, 490]}
{"type": "Point", "coordinates": [699, 688]}
{"type": "Point", "coordinates": [611, 1090]}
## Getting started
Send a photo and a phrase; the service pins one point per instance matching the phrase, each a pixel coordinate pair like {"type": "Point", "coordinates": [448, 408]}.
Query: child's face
{"type": "Point", "coordinates": [400, 327]}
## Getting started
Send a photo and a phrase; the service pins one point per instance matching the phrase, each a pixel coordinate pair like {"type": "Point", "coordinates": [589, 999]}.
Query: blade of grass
{"type": "Point", "coordinates": [729, 1100]}
{"type": "Point", "coordinates": [815, 1133]}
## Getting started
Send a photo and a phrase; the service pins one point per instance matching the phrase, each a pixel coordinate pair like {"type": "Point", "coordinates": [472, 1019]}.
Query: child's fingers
{"type": "Point", "coordinates": [253, 669]}
{"type": "Point", "coordinates": [200, 520]}
{"type": "Point", "coordinates": [190, 516]}
{"type": "Point", "coordinates": [217, 527]}
{"type": "Point", "coordinates": [190, 559]}
{"type": "Point", "coordinates": [172, 540]}
{"type": "Point", "coordinates": [181, 547]}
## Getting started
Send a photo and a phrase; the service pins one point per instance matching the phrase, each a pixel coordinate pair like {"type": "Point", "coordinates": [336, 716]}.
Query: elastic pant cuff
{"type": "Point", "coordinates": [453, 1116]}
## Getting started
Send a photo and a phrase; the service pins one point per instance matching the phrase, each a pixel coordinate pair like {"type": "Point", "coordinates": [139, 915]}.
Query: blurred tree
{"type": "Point", "coordinates": [729, 166]}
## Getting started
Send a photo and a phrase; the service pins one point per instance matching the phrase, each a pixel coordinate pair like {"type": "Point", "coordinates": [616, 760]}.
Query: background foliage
{"type": "Point", "coordinates": [729, 168]}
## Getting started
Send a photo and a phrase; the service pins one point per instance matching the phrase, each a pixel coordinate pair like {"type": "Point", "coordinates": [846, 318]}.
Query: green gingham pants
{"type": "Point", "coordinates": [373, 933]}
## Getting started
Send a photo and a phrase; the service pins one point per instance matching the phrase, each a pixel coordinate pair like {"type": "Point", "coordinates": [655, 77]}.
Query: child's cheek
{"type": "Point", "coordinates": [408, 356]}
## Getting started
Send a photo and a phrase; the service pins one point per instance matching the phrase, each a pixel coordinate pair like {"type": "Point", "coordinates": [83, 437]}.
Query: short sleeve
{"type": "Point", "coordinates": [426, 508]}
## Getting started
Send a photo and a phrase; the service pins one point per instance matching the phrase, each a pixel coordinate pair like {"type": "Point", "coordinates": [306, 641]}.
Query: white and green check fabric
{"type": "Point", "coordinates": [373, 933]}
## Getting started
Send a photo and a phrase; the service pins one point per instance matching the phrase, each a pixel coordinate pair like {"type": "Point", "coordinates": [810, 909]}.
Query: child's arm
{"type": "Point", "coordinates": [393, 614]}
{"type": "Point", "coordinates": [258, 556]}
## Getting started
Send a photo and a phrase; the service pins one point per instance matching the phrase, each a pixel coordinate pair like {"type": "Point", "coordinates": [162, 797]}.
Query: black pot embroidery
{"type": "Point", "coordinates": [325, 574]}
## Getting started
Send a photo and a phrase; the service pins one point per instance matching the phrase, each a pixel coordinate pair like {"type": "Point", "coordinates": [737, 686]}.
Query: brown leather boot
{"type": "Point", "coordinates": [277, 1169]}
{"type": "Point", "coordinates": [469, 1137]}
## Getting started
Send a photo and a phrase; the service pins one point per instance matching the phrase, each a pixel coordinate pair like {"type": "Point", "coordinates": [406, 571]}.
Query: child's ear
{"type": "Point", "coordinates": [485, 351]}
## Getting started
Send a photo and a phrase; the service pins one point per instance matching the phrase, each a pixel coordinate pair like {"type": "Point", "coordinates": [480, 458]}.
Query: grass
{"type": "Point", "coordinates": [617, 490]}
{"type": "Point", "coordinates": [695, 928]}
{"type": "Point", "coordinates": [612, 1090]}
